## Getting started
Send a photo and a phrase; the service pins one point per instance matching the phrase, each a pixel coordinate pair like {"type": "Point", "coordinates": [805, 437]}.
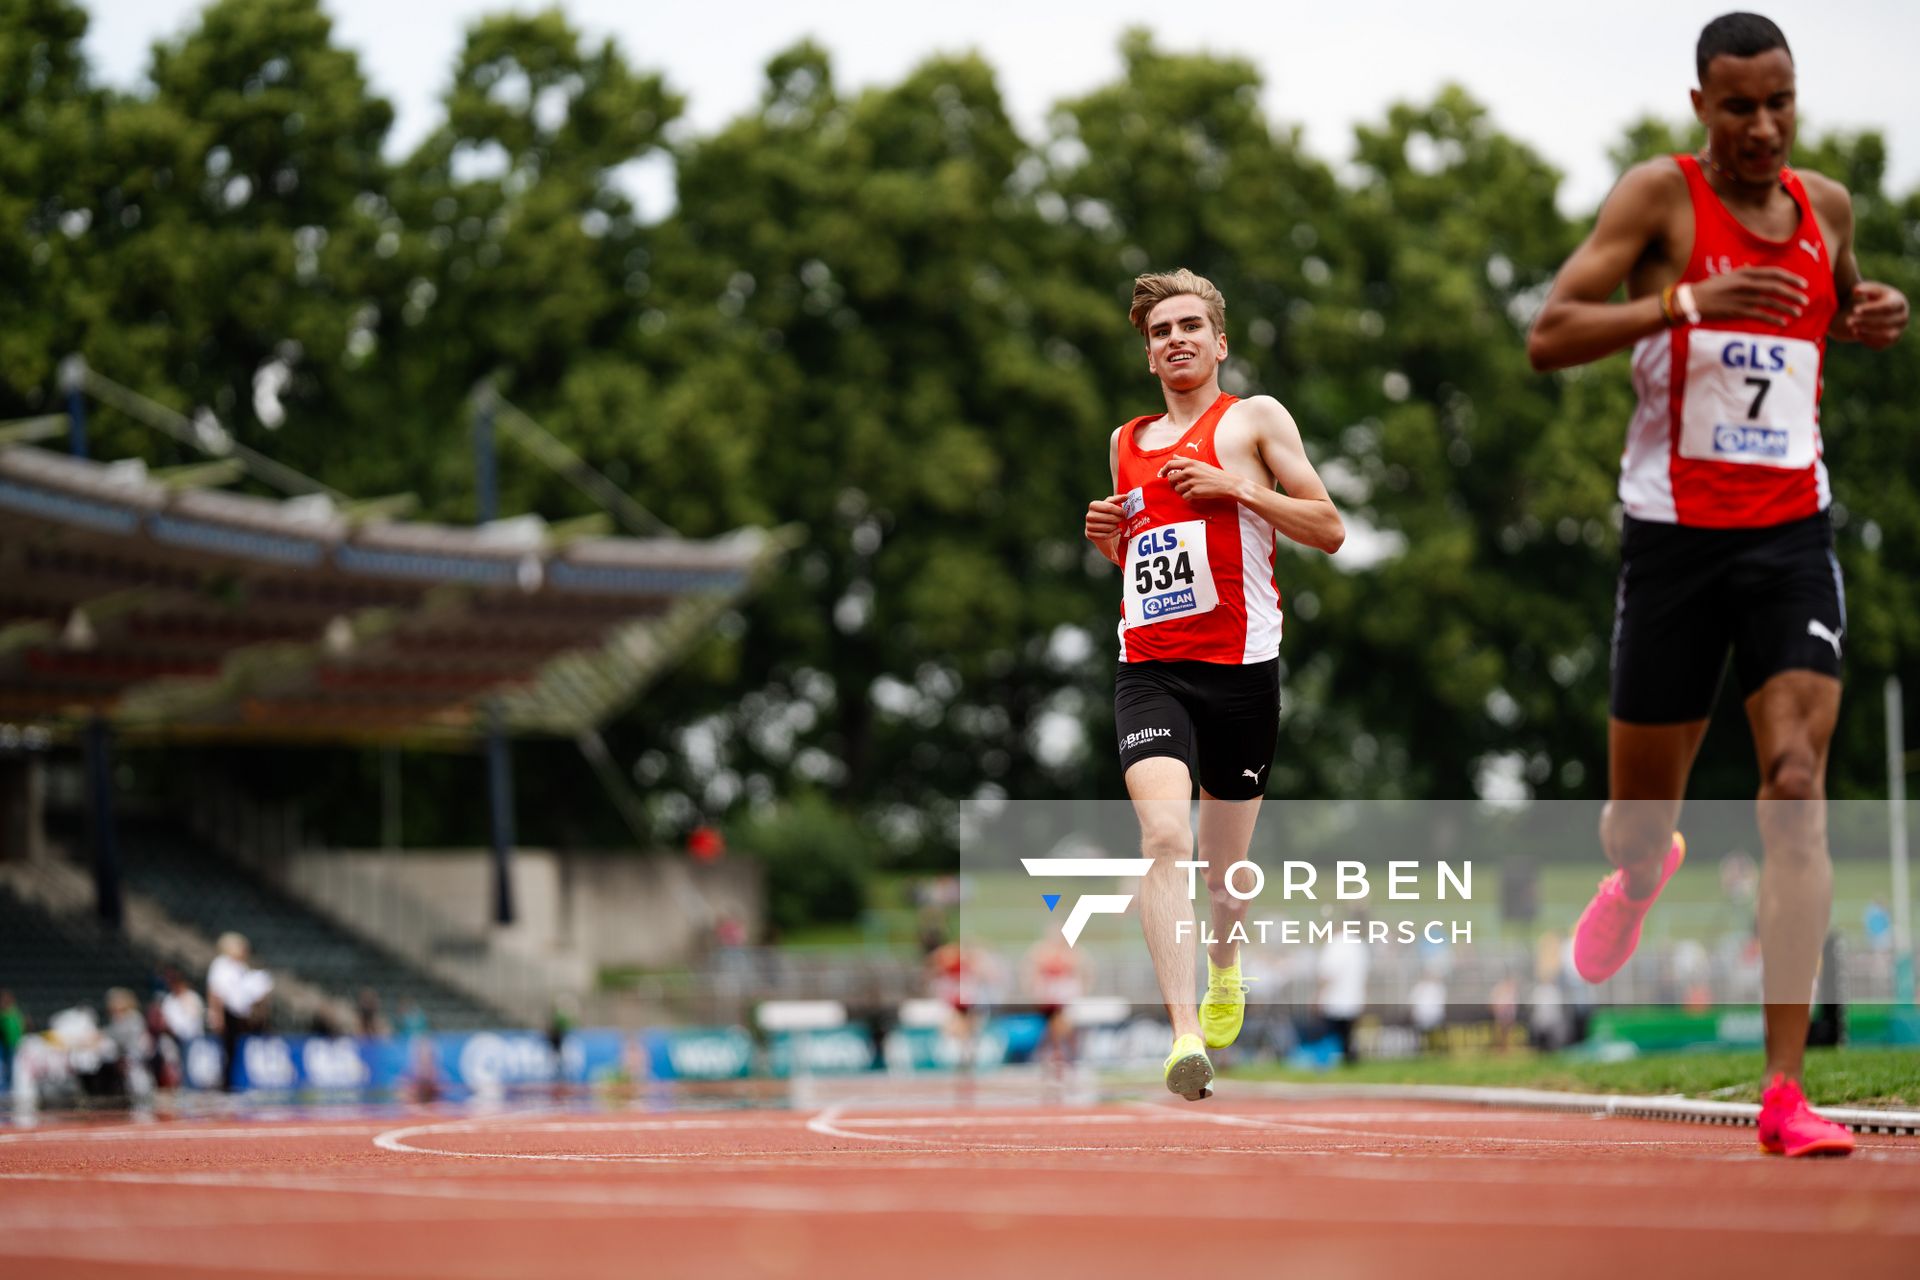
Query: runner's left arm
{"type": "Point", "coordinates": [1871, 313]}
{"type": "Point", "coordinates": [1302, 513]}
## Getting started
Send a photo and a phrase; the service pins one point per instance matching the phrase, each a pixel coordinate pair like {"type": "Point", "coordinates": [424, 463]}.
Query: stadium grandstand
{"type": "Point", "coordinates": [238, 602]}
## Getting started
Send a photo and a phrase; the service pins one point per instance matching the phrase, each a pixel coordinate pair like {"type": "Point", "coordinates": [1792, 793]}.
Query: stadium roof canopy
{"type": "Point", "coordinates": [182, 612]}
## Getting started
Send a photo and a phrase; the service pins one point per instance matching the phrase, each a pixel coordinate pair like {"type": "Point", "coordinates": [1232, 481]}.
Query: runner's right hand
{"type": "Point", "coordinates": [1773, 294]}
{"type": "Point", "coordinates": [1105, 517]}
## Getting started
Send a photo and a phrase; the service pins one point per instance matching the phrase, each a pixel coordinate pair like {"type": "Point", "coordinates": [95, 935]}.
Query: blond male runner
{"type": "Point", "coordinates": [1191, 522]}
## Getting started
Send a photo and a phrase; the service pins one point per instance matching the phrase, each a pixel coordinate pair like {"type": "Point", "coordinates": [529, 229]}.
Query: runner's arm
{"type": "Point", "coordinates": [1105, 516]}
{"type": "Point", "coordinates": [1580, 322]}
{"type": "Point", "coordinates": [1871, 313]}
{"type": "Point", "coordinates": [1303, 513]}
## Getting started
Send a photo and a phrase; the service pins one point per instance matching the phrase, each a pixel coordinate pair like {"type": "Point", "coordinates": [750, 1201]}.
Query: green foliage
{"type": "Point", "coordinates": [887, 320]}
{"type": "Point", "coordinates": [818, 860]}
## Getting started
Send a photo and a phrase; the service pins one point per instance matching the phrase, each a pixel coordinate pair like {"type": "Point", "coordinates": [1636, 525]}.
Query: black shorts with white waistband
{"type": "Point", "coordinates": [1222, 719]}
{"type": "Point", "coordinates": [1686, 596]}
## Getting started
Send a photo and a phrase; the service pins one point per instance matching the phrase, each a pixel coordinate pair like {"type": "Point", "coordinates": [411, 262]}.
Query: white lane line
{"type": "Point", "coordinates": [823, 1124]}
{"type": "Point", "coordinates": [890, 1198]}
{"type": "Point", "coordinates": [159, 1132]}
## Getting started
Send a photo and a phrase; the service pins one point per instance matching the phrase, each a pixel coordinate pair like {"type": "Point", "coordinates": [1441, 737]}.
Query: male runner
{"type": "Point", "coordinates": [1738, 269]}
{"type": "Point", "coordinates": [1192, 521]}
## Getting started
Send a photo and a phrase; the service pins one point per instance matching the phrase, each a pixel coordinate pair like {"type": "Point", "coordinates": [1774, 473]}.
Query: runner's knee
{"type": "Point", "coordinates": [1164, 845]}
{"type": "Point", "coordinates": [1791, 775]}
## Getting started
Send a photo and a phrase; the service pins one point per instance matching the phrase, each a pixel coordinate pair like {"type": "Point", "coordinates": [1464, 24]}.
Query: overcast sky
{"type": "Point", "coordinates": [1565, 78]}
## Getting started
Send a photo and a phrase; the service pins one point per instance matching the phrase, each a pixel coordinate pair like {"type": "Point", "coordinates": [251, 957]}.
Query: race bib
{"type": "Point", "coordinates": [1750, 399]}
{"type": "Point", "coordinates": [1168, 575]}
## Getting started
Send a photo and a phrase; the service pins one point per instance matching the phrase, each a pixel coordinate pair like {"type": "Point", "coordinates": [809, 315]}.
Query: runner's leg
{"type": "Point", "coordinates": [1161, 788]}
{"type": "Point", "coordinates": [1793, 716]}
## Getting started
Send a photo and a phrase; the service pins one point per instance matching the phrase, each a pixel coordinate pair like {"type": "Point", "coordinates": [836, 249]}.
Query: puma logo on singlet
{"type": "Point", "coordinates": [1194, 445]}
{"type": "Point", "coordinates": [1815, 627]}
{"type": "Point", "coordinates": [1810, 247]}
{"type": "Point", "coordinates": [1252, 773]}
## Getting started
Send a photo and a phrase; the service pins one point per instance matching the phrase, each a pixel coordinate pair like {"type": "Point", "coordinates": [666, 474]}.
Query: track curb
{"type": "Point", "coordinates": [1639, 1107]}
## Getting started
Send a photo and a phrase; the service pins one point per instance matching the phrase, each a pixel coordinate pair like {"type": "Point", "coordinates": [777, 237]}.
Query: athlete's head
{"type": "Point", "coordinates": [1184, 320]}
{"type": "Point", "coordinates": [1746, 96]}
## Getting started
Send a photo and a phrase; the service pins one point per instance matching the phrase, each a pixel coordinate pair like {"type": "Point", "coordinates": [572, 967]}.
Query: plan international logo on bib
{"type": "Point", "coordinates": [1742, 438]}
{"type": "Point", "coordinates": [1179, 601]}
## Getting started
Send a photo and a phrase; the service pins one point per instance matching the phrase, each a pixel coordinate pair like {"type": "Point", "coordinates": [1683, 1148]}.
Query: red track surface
{"type": "Point", "coordinates": [1241, 1187]}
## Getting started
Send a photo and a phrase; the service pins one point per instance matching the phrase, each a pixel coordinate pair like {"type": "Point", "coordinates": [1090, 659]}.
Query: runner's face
{"type": "Point", "coordinates": [1183, 349]}
{"type": "Point", "coordinates": [1747, 107]}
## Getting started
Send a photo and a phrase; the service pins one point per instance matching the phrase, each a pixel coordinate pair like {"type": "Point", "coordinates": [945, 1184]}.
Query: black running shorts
{"type": "Point", "coordinates": [1686, 596]}
{"type": "Point", "coordinates": [1222, 719]}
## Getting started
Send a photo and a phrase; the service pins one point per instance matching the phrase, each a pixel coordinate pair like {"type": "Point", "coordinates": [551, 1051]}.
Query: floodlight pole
{"type": "Point", "coordinates": [106, 850]}
{"type": "Point", "coordinates": [73, 384]}
{"type": "Point", "coordinates": [1897, 845]}
{"type": "Point", "coordinates": [499, 758]}
{"type": "Point", "coordinates": [107, 901]}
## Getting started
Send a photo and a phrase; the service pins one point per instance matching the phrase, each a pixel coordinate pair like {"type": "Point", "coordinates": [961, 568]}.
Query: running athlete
{"type": "Point", "coordinates": [1738, 270]}
{"type": "Point", "coordinates": [1191, 522]}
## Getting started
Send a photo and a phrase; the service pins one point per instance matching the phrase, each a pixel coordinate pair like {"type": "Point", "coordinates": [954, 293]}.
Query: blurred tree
{"type": "Point", "coordinates": [889, 321]}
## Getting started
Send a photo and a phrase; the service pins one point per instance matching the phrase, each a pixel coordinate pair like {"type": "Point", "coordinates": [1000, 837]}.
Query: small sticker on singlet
{"type": "Point", "coordinates": [1168, 574]}
{"type": "Point", "coordinates": [1750, 399]}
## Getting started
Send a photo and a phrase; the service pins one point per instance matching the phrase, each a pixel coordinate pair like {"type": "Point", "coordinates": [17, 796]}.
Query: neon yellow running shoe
{"type": "Point", "coordinates": [1188, 1071]}
{"type": "Point", "coordinates": [1225, 1006]}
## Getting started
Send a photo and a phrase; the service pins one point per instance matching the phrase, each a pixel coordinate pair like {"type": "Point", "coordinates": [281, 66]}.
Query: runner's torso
{"type": "Point", "coordinates": [1727, 431]}
{"type": "Point", "coordinates": [1198, 577]}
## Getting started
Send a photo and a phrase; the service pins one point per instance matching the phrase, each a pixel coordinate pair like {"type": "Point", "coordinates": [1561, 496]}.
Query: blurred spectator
{"type": "Point", "coordinates": [1343, 984]}
{"type": "Point", "coordinates": [412, 1021]}
{"type": "Point", "coordinates": [236, 1001]}
{"type": "Point", "coordinates": [1503, 1002]}
{"type": "Point", "coordinates": [1878, 926]}
{"type": "Point", "coordinates": [133, 1045]}
{"type": "Point", "coordinates": [183, 1012]}
{"type": "Point", "coordinates": [1828, 1028]}
{"type": "Point", "coordinates": [1427, 1008]}
{"type": "Point", "coordinates": [373, 1023]}
{"type": "Point", "coordinates": [13, 1029]}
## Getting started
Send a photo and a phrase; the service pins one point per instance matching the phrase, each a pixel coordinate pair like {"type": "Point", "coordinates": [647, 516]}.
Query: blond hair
{"type": "Point", "coordinates": [1154, 288]}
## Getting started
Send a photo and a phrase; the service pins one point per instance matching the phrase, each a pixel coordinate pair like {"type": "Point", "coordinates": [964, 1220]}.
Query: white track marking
{"type": "Point", "coordinates": [160, 1132]}
{"type": "Point", "coordinates": [888, 1197]}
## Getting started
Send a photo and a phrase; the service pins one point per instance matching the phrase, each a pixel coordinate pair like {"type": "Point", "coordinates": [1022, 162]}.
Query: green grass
{"type": "Point", "coordinates": [1857, 1077]}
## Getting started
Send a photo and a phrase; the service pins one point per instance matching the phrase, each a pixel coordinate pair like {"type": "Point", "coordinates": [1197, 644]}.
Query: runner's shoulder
{"type": "Point", "coordinates": [1830, 199]}
{"type": "Point", "coordinates": [1649, 190]}
{"type": "Point", "coordinates": [1260, 415]}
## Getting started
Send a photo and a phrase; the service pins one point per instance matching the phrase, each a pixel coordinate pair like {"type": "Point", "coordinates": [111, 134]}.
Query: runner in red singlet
{"type": "Point", "coordinates": [1191, 523]}
{"type": "Point", "coordinates": [1738, 270]}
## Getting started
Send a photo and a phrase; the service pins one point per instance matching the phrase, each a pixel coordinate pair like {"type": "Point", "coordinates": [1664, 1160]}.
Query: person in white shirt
{"type": "Point", "coordinates": [236, 997]}
{"type": "Point", "coordinates": [1343, 987]}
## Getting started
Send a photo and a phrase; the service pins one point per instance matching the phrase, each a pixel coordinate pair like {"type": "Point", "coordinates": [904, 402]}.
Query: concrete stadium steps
{"type": "Point", "coordinates": [52, 961]}
{"type": "Point", "coordinates": [201, 888]}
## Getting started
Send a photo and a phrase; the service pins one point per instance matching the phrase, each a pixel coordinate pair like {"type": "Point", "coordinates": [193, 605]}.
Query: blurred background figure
{"type": "Point", "coordinates": [236, 1001]}
{"type": "Point", "coordinates": [132, 1043]}
{"type": "Point", "coordinates": [180, 1018]}
{"type": "Point", "coordinates": [1054, 979]}
{"type": "Point", "coordinates": [1427, 1009]}
{"type": "Point", "coordinates": [13, 1029]}
{"type": "Point", "coordinates": [1343, 967]}
{"type": "Point", "coordinates": [368, 1018]}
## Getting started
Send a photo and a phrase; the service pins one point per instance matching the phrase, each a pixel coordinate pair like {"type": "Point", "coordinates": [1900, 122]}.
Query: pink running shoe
{"type": "Point", "coordinates": [1788, 1126]}
{"type": "Point", "coordinates": [1609, 929]}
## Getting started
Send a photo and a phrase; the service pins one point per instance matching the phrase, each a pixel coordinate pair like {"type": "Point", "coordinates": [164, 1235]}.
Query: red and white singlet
{"type": "Point", "coordinates": [1199, 576]}
{"type": "Point", "coordinates": [1727, 433]}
